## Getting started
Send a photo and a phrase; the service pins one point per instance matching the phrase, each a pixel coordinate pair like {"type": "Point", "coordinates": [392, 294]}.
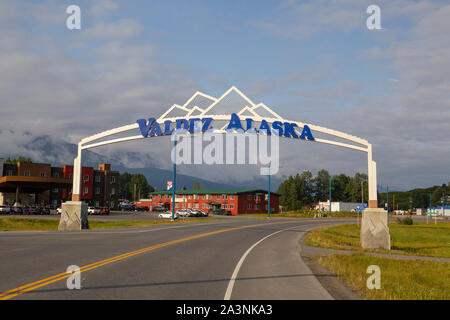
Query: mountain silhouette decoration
{"type": "Point", "coordinates": [232, 101]}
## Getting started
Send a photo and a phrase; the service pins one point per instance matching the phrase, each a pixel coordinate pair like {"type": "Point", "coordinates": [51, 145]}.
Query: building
{"type": "Point", "coordinates": [440, 211]}
{"type": "Point", "coordinates": [29, 183]}
{"type": "Point", "coordinates": [338, 206]}
{"type": "Point", "coordinates": [235, 201]}
{"type": "Point", "coordinates": [99, 188]}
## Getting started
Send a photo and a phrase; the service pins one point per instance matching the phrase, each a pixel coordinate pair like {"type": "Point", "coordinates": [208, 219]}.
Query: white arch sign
{"type": "Point", "coordinates": [229, 109]}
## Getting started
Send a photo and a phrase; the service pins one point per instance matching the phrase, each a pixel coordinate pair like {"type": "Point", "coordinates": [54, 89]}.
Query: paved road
{"type": "Point", "coordinates": [230, 258]}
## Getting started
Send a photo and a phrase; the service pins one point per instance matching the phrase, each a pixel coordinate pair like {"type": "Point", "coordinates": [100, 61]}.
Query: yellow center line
{"type": "Point", "coordinates": [37, 284]}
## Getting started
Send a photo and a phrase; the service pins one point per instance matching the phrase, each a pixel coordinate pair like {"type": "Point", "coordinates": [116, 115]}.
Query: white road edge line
{"type": "Point", "coordinates": [241, 262]}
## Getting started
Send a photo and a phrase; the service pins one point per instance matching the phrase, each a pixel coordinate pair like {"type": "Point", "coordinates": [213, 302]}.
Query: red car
{"type": "Point", "coordinates": [104, 210]}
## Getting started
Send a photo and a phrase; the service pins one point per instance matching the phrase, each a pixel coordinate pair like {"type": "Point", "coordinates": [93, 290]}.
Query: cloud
{"type": "Point", "coordinates": [121, 29]}
{"type": "Point", "coordinates": [101, 8]}
{"type": "Point", "coordinates": [301, 20]}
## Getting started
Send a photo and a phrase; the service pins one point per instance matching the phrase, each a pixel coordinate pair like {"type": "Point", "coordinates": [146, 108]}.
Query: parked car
{"type": "Point", "coordinates": [196, 213]}
{"type": "Point", "coordinates": [104, 210]}
{"type": "Point", "coordinates": [27, 210]}
{"type": "Point", "coordinates": [58, 210]}
{"type": "Point", "coordinates": [203, 213]}
{"type": "Point", "coordinates": [34, 210]}
{"type": "Point", "coordinates": [93, 210]}
{"type": "Point", "coordinates": [221, 212]}
{"type": "Point", "coordinates": [168, 215]}
{"type": "Point", "coordinates": [127, 207]}
{"type": "Point", "coordinates": [45, 210]}
{"type": "Point", "coordinates": [142, 208]}
{"type": "Point", "coordinates": [5, 209]}
{"type": "Point", "coordinates": [184, 212]}
{"type": "Point", "coordinates": [160, 209]}
{"type": "Point", "coordinates": [16, 210]}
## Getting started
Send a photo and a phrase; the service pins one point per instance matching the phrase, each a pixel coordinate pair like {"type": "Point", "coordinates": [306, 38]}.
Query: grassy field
{"type": "Point", "coordinates": [400, 279]}
{"type": "Point", "coordinates": [418, 239]}
{"type": "Point", "coordinates": [16, 224]}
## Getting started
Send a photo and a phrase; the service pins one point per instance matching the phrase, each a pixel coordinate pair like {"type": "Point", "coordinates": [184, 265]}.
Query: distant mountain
{"type": "Point", "coordinates": [57, 152]}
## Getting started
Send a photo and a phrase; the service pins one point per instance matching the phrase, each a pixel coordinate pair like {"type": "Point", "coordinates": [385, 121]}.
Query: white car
{"type": "Point", "coordinates": [93, 210]}
{"type": "Point", "coordinates": [5, 209]}
{"type": "Point", "coordinates": [59, 210]}
{"type": "Point", "coordinates": [184, 212]}
{"type": "Point", "coordinates": [168, 215]}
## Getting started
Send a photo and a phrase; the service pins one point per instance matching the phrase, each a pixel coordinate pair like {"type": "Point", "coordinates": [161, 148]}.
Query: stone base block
{"type": "Point", "coordinates": [375, 229]}
{"type": "Point", "coordinates": [74, 216]}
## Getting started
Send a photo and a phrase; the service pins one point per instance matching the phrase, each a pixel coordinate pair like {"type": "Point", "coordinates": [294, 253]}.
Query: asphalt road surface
{"type": "Point", "coordinates": [218, 259]}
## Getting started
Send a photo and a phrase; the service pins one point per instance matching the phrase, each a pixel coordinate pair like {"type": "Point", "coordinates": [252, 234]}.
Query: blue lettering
{"type": "Point", "coordinates": [167, 130]}
{"type": "Point", "coordinates": [277, 126]}
{"type": "Point", "coordinates": [265, 126]}
{"type": "Point", "coordinates": [235, 123]}
{"type": "Point", "coordinates": [192, 125]}
{"type": "Point", "coordinates": [307, 133]}
{"type": "Point", "coordinates": [289, 130]}
{"type": "Point", "coordinates": [156, 130]}
{"type": "Point", "coordinates": [144, 127]}
{"type": "Point", "coordinates": [206, 123]}
{"type": "Point", "coordinates": [249, 126]}
{"type": "Point", "coordinates": [180, 123]}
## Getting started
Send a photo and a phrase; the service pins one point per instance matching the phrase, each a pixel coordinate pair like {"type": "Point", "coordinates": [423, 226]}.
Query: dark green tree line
{"type": "Point", "coordinates": [127, 186]}
{"type": "Point", "coordinates": [304, 190]}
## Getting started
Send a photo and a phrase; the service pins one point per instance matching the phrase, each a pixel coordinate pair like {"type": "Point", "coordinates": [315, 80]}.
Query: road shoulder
{"type": "Point", "coordinates": [337, 289]}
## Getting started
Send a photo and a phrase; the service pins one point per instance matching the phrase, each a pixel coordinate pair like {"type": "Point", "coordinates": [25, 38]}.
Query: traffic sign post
{"type": "Point", "coordinates": [174, 178]}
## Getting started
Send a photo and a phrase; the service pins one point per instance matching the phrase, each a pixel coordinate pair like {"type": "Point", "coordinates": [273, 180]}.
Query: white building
{"type": "Point", "coordinates": [337, 206]}
{"type": "Point", "coordinates": [439, 210]}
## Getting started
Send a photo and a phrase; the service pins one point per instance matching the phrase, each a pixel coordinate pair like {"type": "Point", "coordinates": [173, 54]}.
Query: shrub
{"type": "Point", "coordinates": [407, 221]}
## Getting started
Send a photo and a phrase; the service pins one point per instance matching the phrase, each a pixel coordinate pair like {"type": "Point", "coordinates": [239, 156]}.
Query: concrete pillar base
{"type": "Point", "coordinates": [375, 229]}
{"type": "Point", "coordinates": [74, 216]}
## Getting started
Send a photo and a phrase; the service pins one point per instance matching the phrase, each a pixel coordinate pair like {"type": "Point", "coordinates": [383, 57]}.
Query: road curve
{"type": "Point", "coordinates": [229, 259]}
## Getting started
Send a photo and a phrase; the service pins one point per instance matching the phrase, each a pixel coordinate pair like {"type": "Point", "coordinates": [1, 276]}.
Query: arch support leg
{"type": "Point", "coordinates": [74, 214]}
{"type": "Point", "coordinates": [374, 232]}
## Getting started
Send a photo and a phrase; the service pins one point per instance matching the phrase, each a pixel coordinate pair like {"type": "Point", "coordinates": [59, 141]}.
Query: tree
{"type": "Point", "coordinates": [341, 188]}
{"type": "Point", "coordinates": [297, 192]}
{"type": "Point", "coordinates": [356, 185]}
{"type": "Point", "coordinates": [127, 186]}
{"type": "Point", "coordinates": [436, 197]}
{"type": "Point", "coordinates": [322, 185]}
{"type": "Point", "coordinates": [19, 159]}
{"type": "Point", "coordinates": [124, 186]}
{"type": "Point", "coordinates": [143, 189]}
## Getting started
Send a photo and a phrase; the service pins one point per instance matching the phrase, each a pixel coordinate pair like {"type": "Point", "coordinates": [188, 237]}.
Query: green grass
{"type": "Point", "coordinates": [16, 224]}
{"type": "Point", "coordinates": [419, 239]}
{"type": "Point", "coordinates": [400, 279]}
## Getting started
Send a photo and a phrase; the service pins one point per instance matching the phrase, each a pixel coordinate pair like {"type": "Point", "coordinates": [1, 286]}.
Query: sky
{"type": "Point", "coordinates": [310, 61]}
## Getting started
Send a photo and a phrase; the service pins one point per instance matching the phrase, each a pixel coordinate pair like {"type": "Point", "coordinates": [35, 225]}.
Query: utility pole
{"type": "Point", "coordinates": [387, 200]}
{"type": "Point", "coordinates": [393, 203]}
{"type": "Point", "coordinates": [330, 196]}
{"type": "Point", "coordinates": [430, 201]}
{"type": "Point", "coordinates": [268, 198]}
{"type": "Point", "coordinates": [362, 192]}
{"type": "Point", "coordinates": [134, 193]}
{"type": "Point", "coordinates": [174, 178]}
